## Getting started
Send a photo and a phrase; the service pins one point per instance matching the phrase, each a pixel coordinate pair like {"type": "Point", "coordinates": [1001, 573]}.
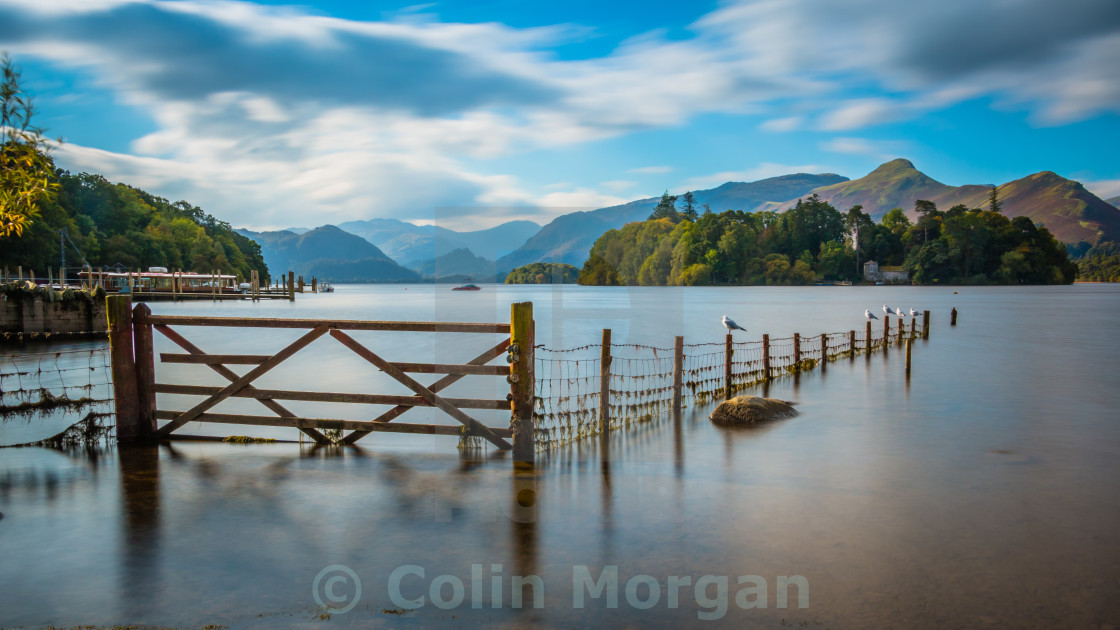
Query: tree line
{"type": "Point", "coordinates": [814, 241]}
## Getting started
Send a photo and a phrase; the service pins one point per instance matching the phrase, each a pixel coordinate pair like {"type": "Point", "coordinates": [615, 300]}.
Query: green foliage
{"type": "Point", "coordinates": [26, 172]}
{"type": "Point", "coordinates": [666, 208]}
{"type": "Point", "coordinates": [116, 223]}
{"type": "Point", "coordinates": [814, 241]}
{"type": "Point", "coordinates": [1101, 263]}
{"type": "Point", "coordinates": [543, 273]}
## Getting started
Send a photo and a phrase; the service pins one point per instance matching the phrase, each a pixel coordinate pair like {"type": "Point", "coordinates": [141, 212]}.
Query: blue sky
{"type": "Point", "coordinates": [471, 113]}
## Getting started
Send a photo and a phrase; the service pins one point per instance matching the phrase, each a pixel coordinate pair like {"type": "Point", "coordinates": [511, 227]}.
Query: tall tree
{"type": "Point", "coordinates": [994, 204]}
{"type": "Point", "coordinates": [689, 206]}
{"type": "Point", "coordinates": [666, 208]}
{"type": "Point", "coordinates": [25, 169]}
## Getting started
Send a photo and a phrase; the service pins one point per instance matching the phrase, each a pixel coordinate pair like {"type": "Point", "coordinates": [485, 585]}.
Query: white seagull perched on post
{"type": "Point", "coordinates": [900, 312]}
{"type": "Point", "coordinates": [913, 313]}
{"type": "Point", "coordinates": [887, 310]}
{"type": "Point", "coordinates": [869, 315]}
{"type": "Point", "coordinates": [730, 324]}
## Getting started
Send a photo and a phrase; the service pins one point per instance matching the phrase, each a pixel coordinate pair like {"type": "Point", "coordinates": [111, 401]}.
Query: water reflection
{"type": "Point", "coordinates": [140, 528]}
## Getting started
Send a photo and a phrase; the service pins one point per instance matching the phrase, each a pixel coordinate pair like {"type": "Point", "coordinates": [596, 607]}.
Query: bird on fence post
{"type": "Point", "coordinates": [887, 310]}
{"type": "Point", "coordinates": [869, 315]}
{"type": "Point", "coordinates": [730, 325]}
{"type": "Point", "coordinates": [913, 313]}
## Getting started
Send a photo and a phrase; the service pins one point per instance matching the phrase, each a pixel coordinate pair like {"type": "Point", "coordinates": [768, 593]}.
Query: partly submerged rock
{"type": "Point", "coordinates": [743, 411]}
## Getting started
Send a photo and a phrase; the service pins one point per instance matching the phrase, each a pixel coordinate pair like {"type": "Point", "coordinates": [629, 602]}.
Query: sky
{"type": "Point", "coordinates": [472, 113]}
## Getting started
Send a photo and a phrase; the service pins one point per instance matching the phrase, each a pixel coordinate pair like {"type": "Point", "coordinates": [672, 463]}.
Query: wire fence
{"type": "Point", "coordinates": [641, 378]}
{"type": "Point", "coordinates": [39, 381]}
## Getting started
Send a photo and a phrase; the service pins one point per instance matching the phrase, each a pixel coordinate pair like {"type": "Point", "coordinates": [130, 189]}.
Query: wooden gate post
{"type": "Point", "coordinates": [678, 372]}
{"type": "Point", "coordinates": [728, 352]}
{"type": "Point", "coordinates": [118, 309]}
{"type": "Point", "coordinates": [925, 324]}
{"type": "Point", "coordinates": [605, 384]}
{"type": "Point", "coordinates": [766, 357]}
{"type": "Point", "coordinates": [797, 350]}
{"type": "Point", "coordinates": [867, 339]}
{"type": "Point", "coordinates": [523, 387]}
{"type": "Point", "coordinates": [144, 352]}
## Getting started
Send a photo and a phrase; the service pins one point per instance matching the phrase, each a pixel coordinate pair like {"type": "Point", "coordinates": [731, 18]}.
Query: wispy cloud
{"type": "Point", "coordinates": [882, 150]}
{"type": "Point", "coordinates": [779, 125]}
{"type": "Point", "coordinates": [650, 170]}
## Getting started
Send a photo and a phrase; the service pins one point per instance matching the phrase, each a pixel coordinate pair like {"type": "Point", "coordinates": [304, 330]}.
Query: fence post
{"type": "Point", "coordinates": [824, 349]}
{"type": "Point", "coordinates": [314, 284]}
{"type": "Point", "coordinates": [886, 331]}
{"type": "Point", "coordinates": [144, 352]}
{"type": "Point", "coordinates": [118, 309]}
{"type": "Point", "coordinates": [913, 327]}
{"type": "Point", "coordinates": [953, 317]}
{"type": "Point", "coordinates": [925, 324]}
{"type": "Point", "coordinates": [522, 335]}
{"type": "Point", "coordinates": [901, 329]}
{"type": "Point", "coordinates": [766, 357]}
{"type": "Point", "coordinates": [852, 345]}
{"type": "Point", "coordinates": [867, 340]}
{"type": "Point", "coordinates": [728, 352]}
{"type": "Point", "coordinates": [291, 286]}
{"type": "Point", "coordinates": [797, 350]}
{"type": "Point", "coordinates": [605, 384]}
{"type": "Point", "coordinates": [678, 372]}
{"type": "Point", "coordinates": [909, 344]}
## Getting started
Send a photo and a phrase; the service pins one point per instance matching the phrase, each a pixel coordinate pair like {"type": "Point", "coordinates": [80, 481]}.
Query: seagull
{"type": "Point", "coordinates": [900, 312]}
{"type": "Point", "coordinates": [887, 310]}
{"type": "Point", "coordinates": [913, 313]}
{"type": "Point", "coordinates": [730, 324]}
{"type": "Point", "coordinates": [869, 315]}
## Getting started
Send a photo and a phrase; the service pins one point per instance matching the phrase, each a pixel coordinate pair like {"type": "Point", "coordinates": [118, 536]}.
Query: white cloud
{"type": "Point", "coordinates": [617, 185]}
{"type": "Point", "coordinates": [779, 125]}
{"type": "Point", "coordinates": [1104, 188]}
{"type": "Point", "coordinates": [861, 113]}
{"type": "Point", "coordinates": [882, 150]}
{"type": "Point", "coordinates": [650, 170]}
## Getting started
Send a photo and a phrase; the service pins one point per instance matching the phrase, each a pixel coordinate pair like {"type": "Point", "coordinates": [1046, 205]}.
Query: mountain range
{"type": "Point", "coordinates": [328, 253]}
{"type": "Point", "coordinates": [382, 250]}
{"type": "Point", "coordinates": [1063, 206]}
{"type": "Point", "coordinates": [414, 245]}
{"type": "Point", "coordinates": [569, 238]}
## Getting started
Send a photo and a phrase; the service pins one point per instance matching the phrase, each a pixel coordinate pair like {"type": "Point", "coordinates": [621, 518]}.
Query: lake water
{"type": "Point", "coordinates": [984, 492]}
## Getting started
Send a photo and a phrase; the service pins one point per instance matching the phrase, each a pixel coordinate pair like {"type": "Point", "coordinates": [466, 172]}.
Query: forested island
{"type": "Point", "coordinates": [814, 241]}
{"type": "Point", "coordinates": [112, 224]}
{"type": "Point", "coordinates": [543, 273]}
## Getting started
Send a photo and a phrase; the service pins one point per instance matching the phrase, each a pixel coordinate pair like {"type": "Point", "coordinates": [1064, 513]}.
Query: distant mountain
{"type": "Point", "coordinates": [1114, 201]}
{"type": "Point", "coordinates": [569, 238]}
{"type": "Point", "coordinates": [1063, 206]}
{"type": "Point", "coordinates": [414, 244]}
{"type": "Point", "coordinates": [458, 263]}
{"type": "Point", "coordinates": [328, 253]}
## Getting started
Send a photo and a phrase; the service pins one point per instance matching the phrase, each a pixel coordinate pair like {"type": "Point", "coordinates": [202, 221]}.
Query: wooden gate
{"type": "Point", "coordinates": [131, 341]}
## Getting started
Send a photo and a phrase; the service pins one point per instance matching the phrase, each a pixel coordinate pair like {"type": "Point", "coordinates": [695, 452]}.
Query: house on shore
{"type": "Point", "coordinates": [872, 272]}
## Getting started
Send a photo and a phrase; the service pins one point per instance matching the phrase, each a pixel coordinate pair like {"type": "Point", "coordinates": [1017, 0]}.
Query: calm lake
{"type": "Point", "coordinates": [984, 492]}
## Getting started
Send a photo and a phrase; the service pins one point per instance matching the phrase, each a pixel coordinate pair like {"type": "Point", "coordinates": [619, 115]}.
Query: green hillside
{"type": "Point", "coordinates": [119, 224]}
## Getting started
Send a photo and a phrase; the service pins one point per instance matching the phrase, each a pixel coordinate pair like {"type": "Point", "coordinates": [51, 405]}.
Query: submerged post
{"type": "Point", "coordinates": [605, 384]}
{"type": "Point", "coordinates": [913, 327]}
{"type": "Point", "coordinates": [678, 372]}
{"type": "Point", "coordinates": [766, 357]}
{"type": "Point", "coordinates": [909, 345]}
{"type": "Point", "coordinates": [852, 345]}
{"type": "Point", "coordinates": [867, 339]}
{"type": "Point", "coordinates": [291, 286]}
{"type": "Point", "coordinates": [824, 349]}
{"type": "Point", "coordinates": [953, 317]}
{"type": "Point", "coordinates": [925, 324]}
{"type": "Point", "coordinates": [314, 284]}
{"type": "Point", "coordinates": [118, 309]}
{"type": "Point", "coordinates": [886, 331]}
{"type": "Point", "coordinates": [797, 350]}
{"type": "Point", "coordinates": [728, 351]}
{"type": "Point", "coordinates": [144, 353]}
{"type": "Point", "coordinates": [523, 381]}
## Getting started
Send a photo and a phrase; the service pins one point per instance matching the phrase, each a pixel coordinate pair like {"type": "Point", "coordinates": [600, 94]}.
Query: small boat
{"type": "Point", "coordinates": [467, 287]}
{"type": "Point", "coordinates": [326, 287]}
